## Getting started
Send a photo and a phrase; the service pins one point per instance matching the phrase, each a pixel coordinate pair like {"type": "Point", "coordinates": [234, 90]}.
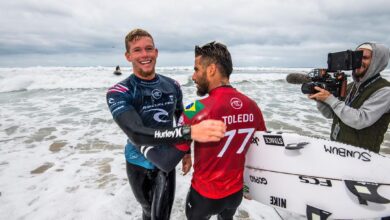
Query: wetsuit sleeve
{"type": "Point", "coordinates": [165, 158]}
{"type": "Point", "coordinates": [131, 123]}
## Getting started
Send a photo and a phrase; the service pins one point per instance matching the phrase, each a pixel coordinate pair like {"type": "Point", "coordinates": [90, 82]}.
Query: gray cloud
{"type": "Point", "coordinates": [285, 33]}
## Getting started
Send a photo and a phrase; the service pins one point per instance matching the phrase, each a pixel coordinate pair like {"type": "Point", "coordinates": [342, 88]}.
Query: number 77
{"type": "Point", "coordinates": [231, 134]}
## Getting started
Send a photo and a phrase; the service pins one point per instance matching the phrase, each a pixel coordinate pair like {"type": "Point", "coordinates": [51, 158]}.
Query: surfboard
{"type": "Point", "coordinates": [317, 178]}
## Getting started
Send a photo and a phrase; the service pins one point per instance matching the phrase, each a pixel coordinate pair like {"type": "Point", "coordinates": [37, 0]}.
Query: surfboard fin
{"type": "Point", "coordinates": [366, 191]}
{"type": "Point", "coordinates": [296, 146]}
{"type": "Point", "coordinates": [313, 213]}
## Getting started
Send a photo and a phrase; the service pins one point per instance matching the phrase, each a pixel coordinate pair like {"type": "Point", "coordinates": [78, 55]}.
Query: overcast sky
{"type": "Point", "coordinates": [264, 33]}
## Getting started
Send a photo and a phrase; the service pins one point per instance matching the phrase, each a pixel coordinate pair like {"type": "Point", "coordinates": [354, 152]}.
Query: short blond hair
{"type": "Point", "coordinates": [136, 34]}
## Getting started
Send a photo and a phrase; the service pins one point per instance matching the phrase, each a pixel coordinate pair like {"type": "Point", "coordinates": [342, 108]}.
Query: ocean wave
{"type": "Point", "coordinates": [17, 83]}
{"type": "Point", "coordinates": [47, 78]}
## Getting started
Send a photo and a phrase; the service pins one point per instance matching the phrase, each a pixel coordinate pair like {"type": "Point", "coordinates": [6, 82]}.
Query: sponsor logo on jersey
{"type": "Point", "coordinates": [236, 103]}
{"type": "Point", "coordinates": [177, 132]}
{"type": "Point", "coordinates": [192, 109]}
{"type": "Point", "coordinates": [342, 152]}
{"type": "Point", "coordinates": [161, 104]}
{"type": "Point", "coordinates": [160, 115]}
{"type": "Point", "coordinates": [280, 202]}
{"type": "Point", "coordinates": [156, 94]}
{"type": "Point", "coordinates": [273, 140]}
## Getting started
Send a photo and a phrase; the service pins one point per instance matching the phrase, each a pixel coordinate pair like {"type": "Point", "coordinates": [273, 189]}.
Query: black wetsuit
{"type": "Point", "coordinates": [199, 207]}
{"type": "Point", "coordinates": [145, 110]}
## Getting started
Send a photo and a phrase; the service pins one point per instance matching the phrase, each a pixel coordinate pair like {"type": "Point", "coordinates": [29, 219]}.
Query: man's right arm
{"type": "Point", "coordinates": [367, 114]}
{"type": "Point", "coordinates": [320, 97]}
{"type": "Point", "coordinates": [325, 109]}
{"type": "Point", "coordinates": [131, 123]}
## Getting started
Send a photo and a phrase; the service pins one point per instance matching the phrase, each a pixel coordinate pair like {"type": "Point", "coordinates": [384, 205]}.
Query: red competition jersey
{"type": "Point", "coordinates": [219, 166]}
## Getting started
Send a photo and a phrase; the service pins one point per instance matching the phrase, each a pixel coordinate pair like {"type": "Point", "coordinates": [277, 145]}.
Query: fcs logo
{"type": "Point", "coordinates": [236, 103]}
{"type": "Point", "coordinates": [156, 94]}
{"type": "Point", "coordinates": [160, 115]}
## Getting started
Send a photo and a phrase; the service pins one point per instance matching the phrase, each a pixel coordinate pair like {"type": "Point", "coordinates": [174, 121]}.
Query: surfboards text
{"type": "Point", "coordinates": [258, 180]}
{"type": "Point", "coordinates": [255, 140]}
{"type": "Point", "coordinates": [315, 181]}
{"type": "Point", "coordinates": [240, 118]}
{"type": "Point", "coordinates": [273, 140]}
{"type": "Point", "coordinates": [276, 201]}
{"type": "Point", "coordinates": [364, 156]}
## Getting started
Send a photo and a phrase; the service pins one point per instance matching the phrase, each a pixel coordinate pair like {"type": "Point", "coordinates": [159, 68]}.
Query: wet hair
{"type": "Point", "coordinates": [218, 54]}
{"type": "Point", "coordinates": [136, 34]}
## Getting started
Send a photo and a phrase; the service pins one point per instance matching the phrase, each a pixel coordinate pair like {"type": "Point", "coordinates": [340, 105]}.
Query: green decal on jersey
{"type": "Point", "coordinates": [192, 109]}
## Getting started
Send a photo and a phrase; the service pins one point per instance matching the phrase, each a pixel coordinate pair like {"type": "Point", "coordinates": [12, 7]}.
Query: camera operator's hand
{"type": "Point", "coordinates": [321, 95]}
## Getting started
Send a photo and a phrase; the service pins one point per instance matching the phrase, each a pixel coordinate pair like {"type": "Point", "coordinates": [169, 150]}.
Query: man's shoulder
{"type": "Point", "coordinates": [166, 79]}
{"type": "Point", "coordinates": [385, 81]}
{"type": "Point", "coordinates": [380, 85]}
{"type": "Point", "coordinates": [122, 86]}
{"type": "Point", "coordinates": [243, 98]}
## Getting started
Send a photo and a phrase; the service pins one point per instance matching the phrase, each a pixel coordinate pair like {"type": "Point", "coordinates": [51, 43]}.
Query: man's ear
{"type": "Point", "coordinates": [128, 56]}
{"type": "Point", "coordinates": [211, 69]}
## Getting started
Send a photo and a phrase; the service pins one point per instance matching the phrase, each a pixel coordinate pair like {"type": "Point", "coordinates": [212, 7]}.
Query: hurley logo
{"type": "Point", "coordinates": [168, 134]}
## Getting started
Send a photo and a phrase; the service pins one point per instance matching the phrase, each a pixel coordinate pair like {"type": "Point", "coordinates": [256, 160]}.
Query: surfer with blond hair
{"type": "Point", "coordinates": [145, 106]}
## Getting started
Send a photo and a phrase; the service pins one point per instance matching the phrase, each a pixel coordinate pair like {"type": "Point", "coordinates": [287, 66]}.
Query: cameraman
{"type": "Point", "coordinates": [363, 118]}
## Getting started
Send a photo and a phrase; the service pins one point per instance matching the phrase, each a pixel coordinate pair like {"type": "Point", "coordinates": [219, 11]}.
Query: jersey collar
{"type": "Point", "coordinates": [220, 89]}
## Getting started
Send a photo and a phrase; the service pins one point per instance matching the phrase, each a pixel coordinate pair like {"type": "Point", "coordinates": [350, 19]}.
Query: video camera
{"type": "Point", "coordinates": [336, 84]}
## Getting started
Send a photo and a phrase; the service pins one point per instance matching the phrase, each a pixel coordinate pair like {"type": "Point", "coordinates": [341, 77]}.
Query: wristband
{"type": "Point", "coordinates": [186, 132]}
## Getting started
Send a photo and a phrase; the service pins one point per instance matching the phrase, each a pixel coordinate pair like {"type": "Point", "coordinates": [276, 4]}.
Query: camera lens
{"type": "Point", "coordinates": [308, 88]}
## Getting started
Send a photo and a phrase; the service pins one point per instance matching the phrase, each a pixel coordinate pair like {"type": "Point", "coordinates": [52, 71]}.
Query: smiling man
{"type": "Point", "coordinates": [145, 106]}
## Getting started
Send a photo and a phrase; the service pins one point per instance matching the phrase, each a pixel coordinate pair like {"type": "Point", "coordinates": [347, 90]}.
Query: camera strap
{"type": "Point", "coordinates": [364, 85]}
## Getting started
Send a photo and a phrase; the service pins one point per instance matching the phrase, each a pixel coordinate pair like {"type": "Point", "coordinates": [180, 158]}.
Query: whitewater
{"type": "Point", "coordinates": [62, 155]}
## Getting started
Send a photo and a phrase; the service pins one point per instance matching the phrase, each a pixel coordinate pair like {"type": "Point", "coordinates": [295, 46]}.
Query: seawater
{"type": "Point", "coordinates": [59, 146]}
{"type": "Point", "coordinates": [46, 105]}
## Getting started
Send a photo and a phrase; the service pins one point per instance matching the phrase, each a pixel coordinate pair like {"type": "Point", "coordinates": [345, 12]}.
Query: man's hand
{"type": "Point", "coordinates": [208, 131]}
{"type": "Point", "coordinates": [322, 95]}
{"type": "Point", "coordinates": [186, 163]}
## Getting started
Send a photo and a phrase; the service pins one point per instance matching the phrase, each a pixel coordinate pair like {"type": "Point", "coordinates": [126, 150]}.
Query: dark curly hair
{"type": "Point", "coordinates": [218, 54]}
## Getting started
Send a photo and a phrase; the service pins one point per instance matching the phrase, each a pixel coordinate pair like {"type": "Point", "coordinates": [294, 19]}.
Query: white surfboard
{"type": "Point", "coordinates": [317, 178]}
